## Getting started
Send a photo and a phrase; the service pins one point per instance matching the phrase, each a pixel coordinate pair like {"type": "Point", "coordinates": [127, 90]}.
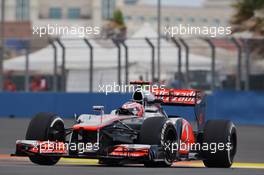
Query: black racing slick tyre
{"type": "Point", "coordinates": [43, 127]}
{"type": "Point", "coordinates": [159, 131]}
{"type": "Point", "coordinates": [222, 135]}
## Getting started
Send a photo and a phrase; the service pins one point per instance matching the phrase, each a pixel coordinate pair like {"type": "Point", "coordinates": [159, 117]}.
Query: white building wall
{"type": "Point", "coordinates": [135, 15]}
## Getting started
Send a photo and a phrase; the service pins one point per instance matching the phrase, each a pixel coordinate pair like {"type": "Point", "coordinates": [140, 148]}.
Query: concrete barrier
{"type": "Point", "coordinates": [241, 107]}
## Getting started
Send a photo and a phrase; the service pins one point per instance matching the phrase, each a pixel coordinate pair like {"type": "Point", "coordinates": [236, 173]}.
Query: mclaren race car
{"type": "Point", "coordinates": [139, 132]}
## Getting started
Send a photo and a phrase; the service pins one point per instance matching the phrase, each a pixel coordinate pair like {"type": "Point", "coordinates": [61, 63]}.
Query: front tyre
{"type": "Point", "coordinates": [159, 131]}
{"type": "Point", "coordinates": [220, 132]}
{"type": "Point", "coordinates": [44, 127]}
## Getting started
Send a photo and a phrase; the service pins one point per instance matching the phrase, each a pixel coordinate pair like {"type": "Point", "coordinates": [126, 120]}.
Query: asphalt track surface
{"type": "Point", "coordinates": [249, 159]}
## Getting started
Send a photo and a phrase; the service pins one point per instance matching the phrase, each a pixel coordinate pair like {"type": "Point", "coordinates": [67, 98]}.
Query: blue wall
{"type": "Point", "coordinates": [241, 107]}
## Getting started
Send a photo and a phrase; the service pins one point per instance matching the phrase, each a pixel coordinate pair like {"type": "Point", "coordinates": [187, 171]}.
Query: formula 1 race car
{"type": "Point", "coordinates": [139, 131]}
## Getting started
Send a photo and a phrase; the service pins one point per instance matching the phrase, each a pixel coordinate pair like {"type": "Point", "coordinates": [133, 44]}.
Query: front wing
{"type": "Point", "coordinates": [140, 152]}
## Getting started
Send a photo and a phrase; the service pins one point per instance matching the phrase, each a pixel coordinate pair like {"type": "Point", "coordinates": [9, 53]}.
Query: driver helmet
{"type": "Point", "coordinates": [134, 108]}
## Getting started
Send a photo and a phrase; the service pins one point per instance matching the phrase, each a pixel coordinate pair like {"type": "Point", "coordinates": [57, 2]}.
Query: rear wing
{"type": "Point", "coordinates": [183, 97]}
{"type": "Point", "coordinates": [176, 97]}
{"type": "Point", "coordinates": [173, 97]}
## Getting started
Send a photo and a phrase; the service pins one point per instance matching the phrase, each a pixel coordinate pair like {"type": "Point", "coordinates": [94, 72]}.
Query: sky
{"type": "Point", "coordinates": [177, 2]}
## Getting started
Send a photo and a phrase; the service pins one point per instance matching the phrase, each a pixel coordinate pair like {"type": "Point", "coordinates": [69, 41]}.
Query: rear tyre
{"type": "Point", "coordinates": [159, 131]}
{"type": "Point", "coordinates": [220, 132]}
{"type": "Point", "coordinates": [43, 127]}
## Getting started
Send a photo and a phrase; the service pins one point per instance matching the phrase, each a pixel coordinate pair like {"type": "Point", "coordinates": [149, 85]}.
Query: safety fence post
{"type": "Point", "coordinates": [248, 64]}
{"type": "Point", "coordinates": [212, 46]}
{"type": "Point", "coordinates": [152, 58]}
{"type": "Point", "coordinates": [63, 69]}
{"type": "Point", "coordinates": [116, 42]}
{"type": "Point", "coordinates": [126, 62]}
{"type": "Point", "coordinates": [239, 59]}
{"type": "Point", "coordinates": [55, 70]}
{"type": "Point", "coordinates": [91, 64]}
{"type": "Point", "coordinates": [27, 76]}
{"type": "Point", "coordinates": [187, 51]}
{"type": "Point", "coordinates": [178, 45]}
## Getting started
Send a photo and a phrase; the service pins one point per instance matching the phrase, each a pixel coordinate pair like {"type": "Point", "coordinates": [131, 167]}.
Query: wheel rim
{"type": "Point", "coordinates": [170, 138]}
{"type": "Point", "coordinates": [56, 131]}
{"type": "Point", "coordinates": [232, 151]}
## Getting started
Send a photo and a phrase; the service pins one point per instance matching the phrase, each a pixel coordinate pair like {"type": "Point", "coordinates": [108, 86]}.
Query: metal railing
{"type": "Point", "coordinates": [184, 47]}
